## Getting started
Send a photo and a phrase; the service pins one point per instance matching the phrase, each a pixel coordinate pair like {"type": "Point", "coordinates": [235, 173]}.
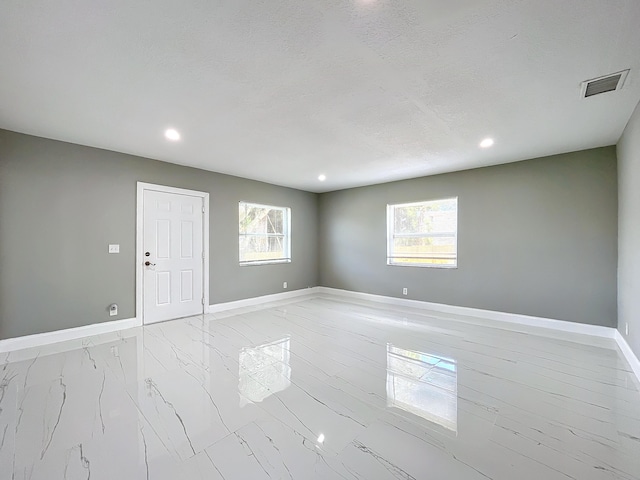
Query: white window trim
{"type": "Point", "coordinates": [286, 234]}
{"type": "Point", "coordinates": [391, 234]}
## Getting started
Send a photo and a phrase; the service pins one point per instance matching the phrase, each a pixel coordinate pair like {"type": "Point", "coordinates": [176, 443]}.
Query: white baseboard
{"type": "Point", "coordinates": [250, 302]}
{"type": "Point", "coordinates": [628, 354]}
{"type": "Point", "coordinates": [48, 338]}
{"type": "Point", "coordinates": [41, 339]}
{"type": "Point", "coordinates": [509, 318]}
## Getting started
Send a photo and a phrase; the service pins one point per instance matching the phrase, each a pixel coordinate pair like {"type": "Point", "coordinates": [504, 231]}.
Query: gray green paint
{"type": "Point", "coordinates": [62, 204]}
{"type": "Point", "coordinates": [535, 238]}
{"type": "Point", "coordinates": [629, 232]}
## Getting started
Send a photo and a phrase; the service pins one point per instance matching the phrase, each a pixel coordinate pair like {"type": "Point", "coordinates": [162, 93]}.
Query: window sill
{"type": "Point", "coordinates": [419, 265]}
{"type": "Point", "coordinates": [264, 262]}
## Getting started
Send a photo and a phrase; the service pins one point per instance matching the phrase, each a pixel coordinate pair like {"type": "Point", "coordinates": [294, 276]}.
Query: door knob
{"type": "Point", "coordinates": [148, 263]}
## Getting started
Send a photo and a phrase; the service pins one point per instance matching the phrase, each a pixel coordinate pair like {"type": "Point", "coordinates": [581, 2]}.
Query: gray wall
{"type": "Point", "coordinates": [62, 204]}
{"type": "Point", "coordinates": [537, 237]}
{"type": "Point", "coordinates": [629, 232]}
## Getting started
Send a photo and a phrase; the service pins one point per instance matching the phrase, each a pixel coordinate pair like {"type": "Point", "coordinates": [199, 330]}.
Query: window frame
{"type": "Point", "coordinates": [286, 235]}
{"type": "Point", "coordinates": [391, 234]}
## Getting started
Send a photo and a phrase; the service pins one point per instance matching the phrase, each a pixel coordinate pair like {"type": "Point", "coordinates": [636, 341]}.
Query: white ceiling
{"type": "Point", "coordinates": [364, 91]}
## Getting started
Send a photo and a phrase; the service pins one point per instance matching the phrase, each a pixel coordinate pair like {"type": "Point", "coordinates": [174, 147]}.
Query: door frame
{"type": "Point", "coordinates": [141, 187]}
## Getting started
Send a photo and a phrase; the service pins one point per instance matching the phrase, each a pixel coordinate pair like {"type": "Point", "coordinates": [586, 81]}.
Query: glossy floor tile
{"type": "Point", "coordinates": [320, 388]}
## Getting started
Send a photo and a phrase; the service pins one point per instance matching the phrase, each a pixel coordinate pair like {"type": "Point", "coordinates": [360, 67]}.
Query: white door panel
{"type": "Point", "coordinates": [173, 237]}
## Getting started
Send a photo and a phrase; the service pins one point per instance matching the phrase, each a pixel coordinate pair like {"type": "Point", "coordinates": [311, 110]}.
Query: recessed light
{"type": "Point", "coordinates": [322, 178]}
{"type": "Point", "coordinates": [486, 143]}
{"type": "Point", "coordinates": [321, 438]}
{"type": "Point", "coordinates": [172, 134]}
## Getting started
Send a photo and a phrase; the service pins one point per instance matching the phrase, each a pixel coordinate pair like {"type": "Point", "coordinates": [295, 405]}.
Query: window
{"type": "Point", "coordinates": [423, 234]}
{"type": "Point", "coordinates": [264, 234]}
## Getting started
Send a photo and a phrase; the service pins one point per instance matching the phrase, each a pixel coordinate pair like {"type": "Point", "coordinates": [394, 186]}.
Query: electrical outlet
{"type": "Point", "coordinates": [114, 248]}
{"type": "Point", "coordinates": [113, 310]}
{"type": "Point", "coordinates": [404, 291]}
{"type": "Point", "coordinates": [284, 284]}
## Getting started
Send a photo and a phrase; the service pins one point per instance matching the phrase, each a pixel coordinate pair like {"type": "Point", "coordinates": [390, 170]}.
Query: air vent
{"type": "Point", "coordinates": [608, 83]}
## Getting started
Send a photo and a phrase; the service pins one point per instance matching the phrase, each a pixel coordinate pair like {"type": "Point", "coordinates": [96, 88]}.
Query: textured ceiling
{"type": "Point", "coordinates": [364, 91]}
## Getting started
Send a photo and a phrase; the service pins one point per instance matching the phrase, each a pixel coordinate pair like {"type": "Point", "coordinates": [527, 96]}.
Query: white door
{"type": "Point", "coordinates": [173, 256]}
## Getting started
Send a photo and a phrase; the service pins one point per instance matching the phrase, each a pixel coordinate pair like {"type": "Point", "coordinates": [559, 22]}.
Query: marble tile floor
{"type": "Point", "coordinates": [320, 388]}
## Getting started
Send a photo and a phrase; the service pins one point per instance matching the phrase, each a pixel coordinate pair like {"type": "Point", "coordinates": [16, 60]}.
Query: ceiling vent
{"type": "Point", "coordinates": [608, 83]}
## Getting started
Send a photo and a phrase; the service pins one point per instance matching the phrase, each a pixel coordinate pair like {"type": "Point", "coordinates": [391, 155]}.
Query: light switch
{"type": "Point", "coordinates": [114, 248]}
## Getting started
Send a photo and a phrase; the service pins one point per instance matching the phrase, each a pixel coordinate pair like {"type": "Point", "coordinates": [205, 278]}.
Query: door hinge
{"type": "Point", "coordinates": [202, 209]}
{"type": "Point", "coordinates": [203, 301]}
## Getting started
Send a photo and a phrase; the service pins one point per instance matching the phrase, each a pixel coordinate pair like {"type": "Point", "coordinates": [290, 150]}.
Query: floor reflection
{"type": "Point", "coordinates": [422, 384]}
{"type": "Point", "coordinates": [264, 370]}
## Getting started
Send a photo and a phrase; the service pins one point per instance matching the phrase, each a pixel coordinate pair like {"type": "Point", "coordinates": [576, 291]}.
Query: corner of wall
{"type": "Point", "coordinates": [628, 157]}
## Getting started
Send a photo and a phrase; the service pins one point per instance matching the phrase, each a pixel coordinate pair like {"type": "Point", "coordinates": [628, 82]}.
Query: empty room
{"type": "Point", "coordinates": [333, 239]}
